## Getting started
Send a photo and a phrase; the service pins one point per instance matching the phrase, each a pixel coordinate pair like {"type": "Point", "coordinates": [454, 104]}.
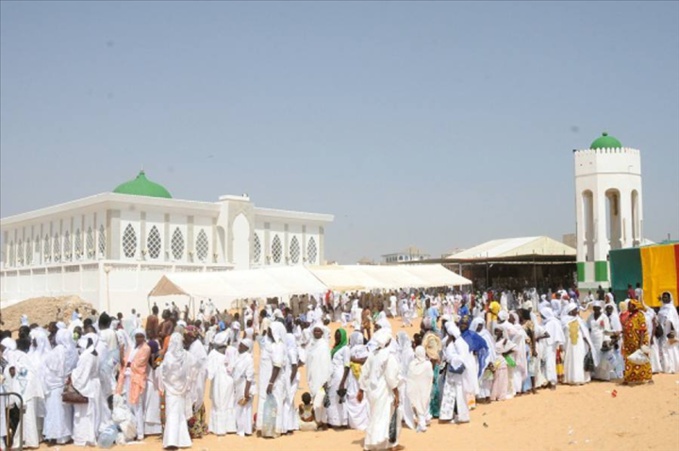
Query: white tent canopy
{"type": "Point", "coordinates": [289, 280]}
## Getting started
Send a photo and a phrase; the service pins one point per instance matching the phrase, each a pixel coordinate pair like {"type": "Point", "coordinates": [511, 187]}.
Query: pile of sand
{"type": "Point", "coordinates": [44, 310]}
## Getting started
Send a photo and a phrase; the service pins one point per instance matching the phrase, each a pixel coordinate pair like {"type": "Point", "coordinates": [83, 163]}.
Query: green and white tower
{"type": "Point", "coordinates": [608, 206]}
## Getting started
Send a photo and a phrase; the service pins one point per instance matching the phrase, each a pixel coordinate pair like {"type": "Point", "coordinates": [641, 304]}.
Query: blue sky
{"type": "Point", "coordinates": [439, 125]}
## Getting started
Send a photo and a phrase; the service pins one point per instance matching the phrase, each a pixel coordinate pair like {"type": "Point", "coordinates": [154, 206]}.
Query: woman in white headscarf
{"type": "Point", "coordinates": [244, 387]}
{"type": "Point", "coordinates": [454, 401]}
{"type": "Point", "coordinates": [318, 370]}
{"type": "Point", "coordinates": [405, 355]}
{"type": "Point", "coordinates": [357, 411]}
{"type": "Point", "coordinates": [22, 377]}
{"type": "Point", "coordinates": [85, 379]}
{"type": "Point", "coordinates": [291, 419]}
{"type": "Point", "coordinates": [552, 338]}
{"type": "Point", "coordinates": [418, 387]}
{"type": "Point", "coordinates": [220, 362]}
{"type": "Point", "coordinates": [58, 364]}
{"type": "Point", "coordinates": [176, 378]}
{"type": "Point", "coordinates": [379, 381]}
{"type": "Point", "coordinates": [486, 378]}
{"type": "Point", "coordinates": [502, 386]}
{"type": "Point", "coordinates": [277, 384]}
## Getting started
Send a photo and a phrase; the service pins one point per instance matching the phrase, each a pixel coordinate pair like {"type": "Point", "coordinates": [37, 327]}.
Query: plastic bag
{"type": "Point", "coordinates": [638, 357]}
{"type": "Point", "coordinates": [269, 417]}
{"type": "Point", "coordinates": [107, 437]}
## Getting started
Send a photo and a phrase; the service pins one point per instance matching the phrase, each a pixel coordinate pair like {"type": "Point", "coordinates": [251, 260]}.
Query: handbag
{"type": "Point", "coordinates": [72, 396]}
{"type": "Point", "coordinates": [638, 357]}
{"type": "Point", "coordinates": [589, 362]}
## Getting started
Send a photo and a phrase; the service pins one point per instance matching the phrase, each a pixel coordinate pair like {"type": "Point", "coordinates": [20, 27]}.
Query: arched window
{"type": "Point", "coordinates": [312, 250]}
{"type": "Point", "coordinates": [78, 244]}
{"type": "Point", "coordinates": [29, 252]}
{"type": "Point", "coordinates": [56, 248]}
{"type": "Point", "coordinates": [177, 244]}
{"type": "Point", "coordinates": [129, 241]}
{"type": "Point", "coordinates": [10, 254]}
{"type": "Point", "coordinates": [67, 246]}
{"type": "Point", "coordinates": [89, 245]}
{"type": "Point", "coordinates": [202, 246]}
{"type": "Point", "coordinates": [276, 249]}
{"type": "Point", "coordinates": [46, 254]}
{"type": "Point", "coordinates": [154, 243]}
{"type": "Point", "coordinates": [256, 249]}
{"type": "Point", "coordinates": [102, 241]}
{"type": "Point", "coordinates": [294, 250]}
{"type": "Point", "coordinates": [20, 252]}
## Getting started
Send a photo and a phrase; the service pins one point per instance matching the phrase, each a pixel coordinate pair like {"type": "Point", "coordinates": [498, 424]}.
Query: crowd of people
{"type": "Point", "coordinates": [100, 379]}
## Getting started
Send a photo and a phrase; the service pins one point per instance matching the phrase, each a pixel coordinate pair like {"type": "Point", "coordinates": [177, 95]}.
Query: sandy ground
{"type": "Point", "coordinates": [44, 310]}
{"type": "Point", "coordinates": [569, 418]}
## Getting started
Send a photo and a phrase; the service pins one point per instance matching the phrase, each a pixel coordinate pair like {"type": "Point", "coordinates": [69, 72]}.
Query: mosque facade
{"type": "Point", "coordinates": [608, 200]}
{"type": "Point", "coordinates": [111, 248]}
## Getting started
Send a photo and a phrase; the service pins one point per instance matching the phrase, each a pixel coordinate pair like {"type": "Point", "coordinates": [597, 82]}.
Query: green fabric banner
{"type": "Point", "coordinates": [625, 269]}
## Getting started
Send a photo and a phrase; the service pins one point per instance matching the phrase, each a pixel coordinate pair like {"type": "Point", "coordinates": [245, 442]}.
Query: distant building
{"type": "Point", "coordinates": [111, 248]}
{"type": "Point", "coordinates": [411, 254]}
{"type": "Point", "coordinates": [570, 239]}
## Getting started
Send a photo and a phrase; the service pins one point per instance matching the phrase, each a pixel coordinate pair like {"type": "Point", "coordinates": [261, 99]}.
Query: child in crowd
{"type": "Point", "coordinates": [307, 419]}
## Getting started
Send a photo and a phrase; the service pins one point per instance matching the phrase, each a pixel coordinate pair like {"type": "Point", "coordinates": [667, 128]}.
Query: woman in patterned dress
{"type": "Point", "coordinates": [634, 337]}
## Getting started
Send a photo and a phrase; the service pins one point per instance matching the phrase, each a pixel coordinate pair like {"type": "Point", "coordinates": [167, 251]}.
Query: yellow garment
{"type": "Point", "coordinates": [356, 369]}
{"type": "Point", "coordinates": [574, 331]}
{"type": "Point", "coordinates": [659, 265]}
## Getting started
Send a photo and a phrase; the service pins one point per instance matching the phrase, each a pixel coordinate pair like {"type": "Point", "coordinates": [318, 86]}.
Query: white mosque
{"type": "Point", "coordinates": [608, 206]}
{"type": "Point", "coordinates": [111, 248]}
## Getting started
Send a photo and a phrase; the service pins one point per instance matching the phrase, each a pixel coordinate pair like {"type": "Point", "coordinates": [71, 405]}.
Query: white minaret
{"type": "Point", "coordinates": [608, 206]}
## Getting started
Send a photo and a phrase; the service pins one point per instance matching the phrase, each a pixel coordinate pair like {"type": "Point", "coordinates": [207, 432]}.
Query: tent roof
{"type": "Point", "coordinates": [290, 280]}
{"type": "Point", "coordinates": [515, 247]}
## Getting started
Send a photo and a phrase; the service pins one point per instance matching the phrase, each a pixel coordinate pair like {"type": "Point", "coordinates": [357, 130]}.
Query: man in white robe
{"type": "Point", "coordinates": [379, 381]}
{"type": "Point", "coordinates": [244, 387]}
{"type": "Point", "coordinates": [58, 364]}
{"type": "Point", "coordinates": [599, 330]}
{"type": "Point", "coordinates": [668, 320]}
{"type": "Point", "coordinates": [577, 344]}
{"type": "Point", "coordinates": [418, 387]}
{"type": "Point", "coordinates": [219, 365]}
{"type": "Point", "coordinates": [454, 400]}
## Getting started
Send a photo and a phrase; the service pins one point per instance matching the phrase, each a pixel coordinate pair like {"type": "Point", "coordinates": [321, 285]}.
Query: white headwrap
{"type": "Point", "coordinates": [247, 342]}
{"type": "Point", "coordinates": [139, 331]}
{"type": "Point", "coordinates": [452, 329]}
{"type": "Point", "coordinates": [503, 315]}
{"type": "Point", "coordinates": [382, 337]}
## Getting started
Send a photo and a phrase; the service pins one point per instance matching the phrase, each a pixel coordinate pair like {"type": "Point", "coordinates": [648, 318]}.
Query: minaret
{"type": "Point", "coordinates": [608, 206]}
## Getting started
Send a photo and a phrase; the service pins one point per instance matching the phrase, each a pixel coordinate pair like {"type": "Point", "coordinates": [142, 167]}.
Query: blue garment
{"type": "Point", "coordinates": [477, 345]}
{"type": "Point", "coordinates": [463, 311]}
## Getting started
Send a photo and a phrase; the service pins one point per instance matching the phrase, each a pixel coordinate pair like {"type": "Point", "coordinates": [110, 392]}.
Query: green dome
{"type": "Point", "coordinates": [606, 142]}
{"type": "Point", "coordinates": [141, 186]}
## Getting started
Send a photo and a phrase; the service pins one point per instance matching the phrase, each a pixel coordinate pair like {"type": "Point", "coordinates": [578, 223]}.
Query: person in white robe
{"type": "Point", "coordinates": [244, 387]}
{"type": "Point", "coordinates": [40, 346]}
{"type": "Point", "coordinates": [22, 377]}
{"type": "Point", "coordinates": [318, 370]}
{"type": "Point", "coordinates": [85, 379]}
{"type": "Point", "coordinates": [58, 365]}
{"type": "Point", "coordinates": [600, 330]}
{"type": "Point", "coordinates": [278, 381]}
{"type": "Point", "coordinates": [291, 419]}
{"type": "Point", "coordinates": [405, 355]}
{"type": "Point", "coordinates": [222, 396]}
{"type": "Point", "coordinates": [265, 369]}
{"type": "Point", "coordinates": [197, 351]}
{"type": "Point", "coordinates": [454, 400]}
{"type": "Point", "coordinates": [486, 378]}
{"type": "Point", "coordinates": [152, 422]}
{"type": "Point", "coordinates": [379, 381]}
{"type": "Point", "coordinates": [668, 321]}
{"type": "Point", "coordinates": [341, 361]}
{"type": "Point", "coordinates": [357, 411]}
{"type": "Point", "coordinates": [577, 344]}
{"type": "Point", "coordinates": [132, 380]}
{"type": "Point", "coordinates": [552, 337]}
{"type": "Point", "coordinates": [418, 387]}
{"type": "Point", "coordinates": [177, 377]}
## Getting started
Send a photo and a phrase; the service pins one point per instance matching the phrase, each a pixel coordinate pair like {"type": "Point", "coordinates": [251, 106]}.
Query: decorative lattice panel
{"type": "Point", "coordinates": [276, 249]}
{"type": "Point", "coordinates": [294, 250]}
{"type": "Point", "coordinates": [154, 243]}
{"type": "Point", "coordinates": [129, 241]}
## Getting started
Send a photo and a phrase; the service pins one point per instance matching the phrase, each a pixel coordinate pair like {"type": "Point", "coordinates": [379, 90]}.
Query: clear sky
{"type": "Point", "coordinates": [439, 125]}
